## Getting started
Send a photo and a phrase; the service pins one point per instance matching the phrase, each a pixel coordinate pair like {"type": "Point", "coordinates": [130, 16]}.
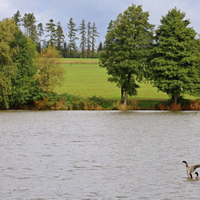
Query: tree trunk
{"type": "Point", "coordinates": [126, 98]}
{"type": "Point", "coordinates": [175, 99]}
{"type": "Point", "coordinates": [40, 46]}
{"type": "Point", "coordinates": [122, 93]}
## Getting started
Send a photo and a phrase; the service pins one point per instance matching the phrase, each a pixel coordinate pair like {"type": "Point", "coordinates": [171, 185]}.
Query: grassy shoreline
{"type": "Point", "coordinates": [85, 79]}
{"type": "Point", "coordinates": [85, 87]}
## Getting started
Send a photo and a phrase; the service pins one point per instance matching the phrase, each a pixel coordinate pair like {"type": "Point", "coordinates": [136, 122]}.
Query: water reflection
{"type": "Point", "coordinates": [98, 154]}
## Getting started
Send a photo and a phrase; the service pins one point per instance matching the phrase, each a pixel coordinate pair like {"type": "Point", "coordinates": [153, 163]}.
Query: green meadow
{"type": "Point", "coordinates": [87, 79]}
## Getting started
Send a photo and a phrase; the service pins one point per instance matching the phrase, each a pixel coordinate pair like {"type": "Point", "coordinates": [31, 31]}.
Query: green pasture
{"type": "Point", "coordinates": [79, 60]}
{"type": "Point", "coordinates": [86, 80]}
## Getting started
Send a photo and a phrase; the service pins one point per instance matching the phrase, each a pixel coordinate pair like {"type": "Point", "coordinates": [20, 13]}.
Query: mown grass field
{"type": "Point", "coordinates": [86, 79]}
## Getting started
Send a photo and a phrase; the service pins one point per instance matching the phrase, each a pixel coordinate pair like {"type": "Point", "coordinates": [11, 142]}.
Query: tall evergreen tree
{"type": "Point", "coordinates": [83, 38]}
{"type": "Point", "coordinates": [44, 44]}
{"type": "Point", "coordinates": [174, 65]}
{"type": "Point", "coordinates": [109, 28]}
{"type": "Point", "coordinates": [110, 25]}
{"type": "Point", "coordinates": [59, 37]}
{"type": "Point", "coordinates": [29, 25]}
{"type": "Point", "coordinates": [50, 28]}
{"type": "Point", "coordinates": [65, 50]}
{"type": "Point", "coordinates": [17, 18]}
{"type": "Point", "coordinates": [89, 39]}
{"type": "Point", "coordinates": [40, 33]}
{"type": "Point", "coordinates": [93, 37]}
{"type": "Point", "coordinates": [100, 47]}
{"type": "Point", "coordinates": [72, 36]}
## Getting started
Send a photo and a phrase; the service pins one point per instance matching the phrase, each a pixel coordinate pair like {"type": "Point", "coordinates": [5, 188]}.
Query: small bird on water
{"type": "Point", "coordinates": [191, 169]}
{"type": "Point", "coordinates": [197, 177]}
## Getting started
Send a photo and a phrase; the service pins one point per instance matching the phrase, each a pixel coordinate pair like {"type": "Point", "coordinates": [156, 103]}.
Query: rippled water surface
{"type": "Point", "coordinates": [98, 154]}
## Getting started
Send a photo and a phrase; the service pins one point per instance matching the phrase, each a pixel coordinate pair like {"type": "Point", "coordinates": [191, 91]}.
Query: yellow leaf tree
{"type": "Point", "coordinates": [50, 72]}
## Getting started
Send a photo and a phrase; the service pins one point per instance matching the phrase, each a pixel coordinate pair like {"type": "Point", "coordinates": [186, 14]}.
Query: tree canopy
{"type": "Point", "coordinates": [72, 36]}
{"type": "Point", "coordinates": [175, 59]}
{"type": "Point", "coordinates": [23, 82]}
{"type": "Point", "coordinates": [55, 35]}
{"type": "Point", "coordinates": [7, 66]}
{"type": "Point", "coordinates": [50, 28]}
{"type": "Point", "coordinates": [126, 49]}
{"type": "Point", "coordinates": [50, 73]}
{"type": "Point", "coordinates": [82, 30]}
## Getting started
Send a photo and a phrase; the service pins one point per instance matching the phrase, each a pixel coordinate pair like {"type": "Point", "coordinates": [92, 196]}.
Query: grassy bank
{"type": "Point", "coordinates": [79, 60]}
{"type": "Point", "coordinates": [85, 79]}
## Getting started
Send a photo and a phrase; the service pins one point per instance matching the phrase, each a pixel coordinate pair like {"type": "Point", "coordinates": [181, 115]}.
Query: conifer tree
{"type": "Point", "coordinates": [93, 37]}
{"type": "Point", "coordinates": [65, 50]}
{"type": "Point", "coordinates": [89, 38]}
{"type": "Point", "coordinates": [100, 47]}
{"type": "Point", "coordinates": [40, 33]}
{"type": "Point", "coordinates": [17, 18]}
{"type": "Point", "coordinates": [109, 28]}
{"type": "Point", "coordinates": [72, 36]}
{"type": "Point", "coordinates": [29, 25]}
{"type": "Point", "coordinates": [174, 65]}
{"type": "Point", "coordinates": [50, 28]}
{"type": "Point", "coordinates": [83, 38]}
{"type": "Point", "coordinates": [59, 37]}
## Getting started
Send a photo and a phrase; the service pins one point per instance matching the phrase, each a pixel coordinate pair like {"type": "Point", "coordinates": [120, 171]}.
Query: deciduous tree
{"type": "Point", "coordinates": [23, 84]}
{"type": "Point", "coordinates": [126, 49]}
{"type": "Point", "coordinates": [50, 72]}
{"type": "Point", "coordinates": [7, 66]}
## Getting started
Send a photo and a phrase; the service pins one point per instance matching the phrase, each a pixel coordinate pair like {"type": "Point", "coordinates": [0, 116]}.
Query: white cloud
{"type": "Point", "coordinates": [4, 7]}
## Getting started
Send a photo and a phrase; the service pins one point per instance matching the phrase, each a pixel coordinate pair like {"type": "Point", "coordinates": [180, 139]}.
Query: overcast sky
{"type": "Point", "coordinates": [98, 11]}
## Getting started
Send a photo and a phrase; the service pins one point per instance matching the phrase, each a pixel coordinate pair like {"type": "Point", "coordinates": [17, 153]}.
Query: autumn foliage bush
{"type": "Point", "coordinates": [53, 101]}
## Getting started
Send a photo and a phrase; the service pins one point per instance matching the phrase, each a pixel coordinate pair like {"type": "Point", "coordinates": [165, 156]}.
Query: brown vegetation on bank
{"type": "Point", "coordinates": [87, 104]}
{"type": "Point", "coordinates": [193, 105]}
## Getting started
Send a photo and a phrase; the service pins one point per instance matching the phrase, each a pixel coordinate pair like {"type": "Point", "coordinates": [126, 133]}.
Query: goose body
{"type": "Point", "coordinates": [191, 169]}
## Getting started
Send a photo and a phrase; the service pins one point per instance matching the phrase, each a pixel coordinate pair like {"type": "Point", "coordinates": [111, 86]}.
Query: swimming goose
{"type": "Point", "coordinates": [191, 169]}
{"type": "Point", "coordinates": [197, 177]}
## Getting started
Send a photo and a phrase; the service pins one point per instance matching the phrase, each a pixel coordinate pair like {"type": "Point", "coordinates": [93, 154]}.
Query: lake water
{"type": "Point", "coordinates": [98, 154]}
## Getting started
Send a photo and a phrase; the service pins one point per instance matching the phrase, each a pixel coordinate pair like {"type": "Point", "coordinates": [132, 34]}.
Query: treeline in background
{"type": "Point", "coordinates": [78, 42]}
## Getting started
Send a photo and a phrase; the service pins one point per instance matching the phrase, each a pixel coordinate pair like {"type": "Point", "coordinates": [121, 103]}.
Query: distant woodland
{"type": "Point", "coordinates": [78, 42]}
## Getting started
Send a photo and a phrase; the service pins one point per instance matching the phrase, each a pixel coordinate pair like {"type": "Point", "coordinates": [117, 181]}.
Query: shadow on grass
{"type": "Point", "coordinates": [150, 104]}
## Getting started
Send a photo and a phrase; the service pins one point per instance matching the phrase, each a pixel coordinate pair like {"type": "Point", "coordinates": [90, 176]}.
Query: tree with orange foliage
{"type": "Point", "coordinates": [50, 72]}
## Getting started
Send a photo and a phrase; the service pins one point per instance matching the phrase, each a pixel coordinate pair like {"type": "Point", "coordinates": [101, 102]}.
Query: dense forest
{"type": "Point", "coordinates": [52, 34]}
